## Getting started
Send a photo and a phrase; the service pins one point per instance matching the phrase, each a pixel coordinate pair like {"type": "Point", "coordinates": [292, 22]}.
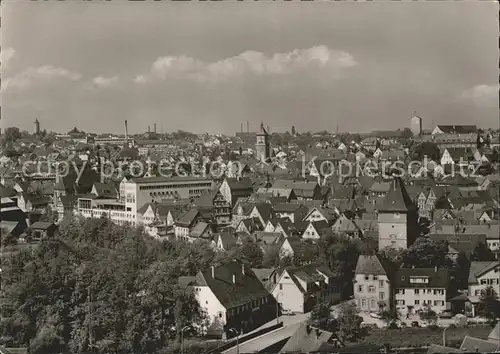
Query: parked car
{"type": "Point", "coordinates": [374, 315]}
{"type": "Point", "coordinates": [287, 312]}
{"type": "Point", "coordinates": [368, 325]}
{"type": "Point", "coordinates": [445, 314]}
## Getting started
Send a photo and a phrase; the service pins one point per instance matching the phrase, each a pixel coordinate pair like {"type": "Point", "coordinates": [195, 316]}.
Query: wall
{"type": "Point", "coordinates": [289, 297]}
{"type": "Point", "coordinates": [210, 303]}
{"type": "Point", "coordinates": [392, 230]}
{"type": "Point", "coordinates": [366, 305]}
{"type": "Point", "coordinates": [420, 295]}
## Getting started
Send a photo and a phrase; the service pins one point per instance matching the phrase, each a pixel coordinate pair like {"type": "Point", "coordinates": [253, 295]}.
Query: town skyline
{"type": "Point", "coordinates": [309, 67]}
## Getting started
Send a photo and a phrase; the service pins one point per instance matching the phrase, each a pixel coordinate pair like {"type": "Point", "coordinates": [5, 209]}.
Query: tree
{"type": "Point", "coordinates": [389, 316]}
{"type": "Point", "coordinates": [482, 253]}
{"type": "Point", "coordinates": [49, 215]}
{"type": "Point", "coordinates": [429, 149]}
{"type": "Point", "coordinates": [424, 253]}
{"type": "Point", "coordinates": [322, 318]}
{"type": "Point", "coordinates": [407, 133]}
{"type": "Point", "coordinates": [429, 316]}
{"type": "Point", "coordinates": [349, 322]}
{"type": "Point", "coordinates": [11, 134]}
{"type": "Point", "coordinates": [489, 306]}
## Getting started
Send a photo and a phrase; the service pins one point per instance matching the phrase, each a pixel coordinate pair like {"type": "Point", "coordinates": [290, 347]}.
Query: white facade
{"type": "Point", "coordinates": [288, 295]}
{"type": "Point", "coordinates": [370, 290]}
{"type": "Point", "coordinates": [311, 233]}
{"type": "Point", "coordinates": [490, 278]}
{"type": "Point", "coordinates": [419, 298]}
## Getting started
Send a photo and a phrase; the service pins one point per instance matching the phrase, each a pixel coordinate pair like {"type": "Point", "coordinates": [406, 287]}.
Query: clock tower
{"type": "Point", "coordinates": [397, 218]}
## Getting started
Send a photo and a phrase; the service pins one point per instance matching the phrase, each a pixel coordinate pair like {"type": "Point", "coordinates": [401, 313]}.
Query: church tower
{"type": "Point", "coordinates": [37, 127]}
{"type": "Point", "coordinates": [397, 218]}
{"type": "Point", "coordinates": [262, 146]}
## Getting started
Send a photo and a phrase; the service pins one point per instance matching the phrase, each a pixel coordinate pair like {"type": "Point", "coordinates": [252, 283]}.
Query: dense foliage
{"type": "Point", "coordinates": [100, 287]}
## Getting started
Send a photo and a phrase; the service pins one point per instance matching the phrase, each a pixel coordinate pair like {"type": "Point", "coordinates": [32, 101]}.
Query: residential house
{"type": "Point", "coordinates": [418, 288]}
{"type": "Point", "coordinates": [482, 275]}
{"type": "Point", "coordinates": [183, 226]}
{"type": "Point", "coordinates": [294, 211]}
{"type": "Point", "coordinates": [233, 189]}
{"type": "Point", "coordinates": [299, 289]}
{"type": "Point", "coordinates": [372, 284]}
{"type": "Point", "coordinates": [249, 225]}
{"type": "Point", "coordinates": [233, 297]}
{"type": "Point", "coordinates": [302, 189]}
{"type": "Point", "coordinates": [42, 229]}
{"type": "Point", "coordinates": [454, 129]}
{"type": "Point", "coordinates": [345, 226]}
{"type": "Point", "coordinates": [315, 230]}
{"type": "Point", "coordinates": [263, 212]}
{"type": "Point", "coordinates": [318, 214]}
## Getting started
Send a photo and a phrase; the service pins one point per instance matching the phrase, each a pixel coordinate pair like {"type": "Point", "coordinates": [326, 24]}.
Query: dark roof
{"type": "Point", "coordinates": [243, 183]}
{"type": "Point", "coordinates": [397, 199]}
{"type": "Point", "coordinates": [372, 265]}
{"type": "Point", "coordinates": [40, 225]}
{"type": "Point", "coordinates": [306, 339]}
{"type": "Point", "coordinates": [247, 287]}
{"type": "Point", "coordinates": [188, 218]}
{"type": "Point", "coordinates": [439, 349]}
{"type": "Point", "coordinates": [439, 278]}
{"type": "Point", "coordinates": [461, 242]}
{"type": "Point", "coordinates": [479, 268]}
{"type": "Point", "coordinates": [265, 210]}
{"type": "Point", "coordinates": [105, 189]}
{"type": "Point", "coordinates": [458, 129]}
{"type": "Point", "coordinates": [6, 192]}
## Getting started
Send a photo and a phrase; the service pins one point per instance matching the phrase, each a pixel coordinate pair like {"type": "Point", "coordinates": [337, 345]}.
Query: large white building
{"type": "Point", "coordinates": [139, 191]}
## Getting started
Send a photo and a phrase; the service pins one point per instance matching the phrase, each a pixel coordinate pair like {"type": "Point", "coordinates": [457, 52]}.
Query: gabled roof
{"type": "Point", "coordinates": [198, 229]}
{"type": "Point", "coordinates": [439, 278]}
{"type": "Point", "coordinates": [371, 264]}
{"type": "Point", "coordinates": [227, 239]}
{"type": "Point", "coordinates": [479, 268]}
{"type": "Point", "coordinates": [439, 349]}
{"type": "Point", "coordinates": [306, 339]}
{"type": "Point", "coordinates": [458, 129]}
{"type": "Point", "coordinates": [247, 287]}
{"type": "Point", "coordinates": [6, 192]}
{"type": "Point", "coordinates": [252, 224]}
{"type": "Point", "coordinates": [236, 184]}
{"type": "Point", "coordinates": [397, 198]}
{"type": "Point", "coordinates": [265, 211]}
{"type": "Point", "coordinates": [188, 218]}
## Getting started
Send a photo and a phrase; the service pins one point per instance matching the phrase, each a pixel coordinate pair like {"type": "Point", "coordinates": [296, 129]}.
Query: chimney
{"type": "Point", "coordinates": [242, 127]}
{"type": "Point", "coordinates": [234, 278]}
{"type": "Point", "coordinates": [248, 127]}
{"type": "Point", "coordinates": [213, 271]}
{"type": "Point", "coordinates": [149, 129]}
{"type": "Point", "coordinates": [154, 128]}
{"type": "Point", "coordinates": [243, 269]}
{"type": "Point", "coordinates": [126, 131]}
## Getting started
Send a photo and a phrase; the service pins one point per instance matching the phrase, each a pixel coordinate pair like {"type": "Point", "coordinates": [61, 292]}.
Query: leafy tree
{"type": "Point", "coordinates": [429, 149]}
{"type": "Point", "coordinates": [341, 254]}
{"type": "Point", "coordinates": [11, 134]}
{"type": "Point", "coordinates": [407, 133]}
{"type": "Point", "coordinates": [425, 253]}
{"type": "Point", "coordinates": [460, 272]}
{"type": "Point", "coordinates": [321, 317]}
{"type": "Point", "coordinates": [49, 215]}
{"type": "Point", "coordinates": [490, 306]}
{"type": "Point", "coordinates": [349, 323]}
{"type": "Point", "coordinates": [482, 253]}
{"type": "Point", "coordinates": [389, 316]}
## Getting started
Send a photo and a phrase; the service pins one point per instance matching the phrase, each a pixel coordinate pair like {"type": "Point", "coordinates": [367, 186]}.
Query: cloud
{"type": "Point", "coordinates": [7, 55]}
{"type": "Point", "coordinates": [43, 73]}
{"type": "Point", "coordinates": [251, 62]}
{"type": "Point", "coordinates": [140, 79]}
{"type": "Point", "coordinates": [482, 95]}
{"type": "Point", "coordinates": [104, 82]}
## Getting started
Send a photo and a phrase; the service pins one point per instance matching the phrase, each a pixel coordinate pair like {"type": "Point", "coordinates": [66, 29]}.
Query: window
{"type": "Point", "coordinates": [363, 302]}
{"type": "Point", "coordinates": [367, 277]}
{"type": "Point", "coordinates": [281, 286]}
{"type": "Point", "coordinates": [381, 283]}
{"type": "Point", "coordinates": [417, 291]}
{"type": "Point", "coordinates": [400, 302]}
{"type": "Point", "coordinates": [400, 291]}
{"type": "Point", "coordinates": [417, 302]}
{"type": "Point", "coordinates": [373, 303]}
{"type": "Point", "coordinates": [371, 289]}
{"type": "Point", "coordinates": [374, 277]}
{"type": "Point", "coordinates": [360, 288]}
{"type": "Point", "coordinates": [381, 295]}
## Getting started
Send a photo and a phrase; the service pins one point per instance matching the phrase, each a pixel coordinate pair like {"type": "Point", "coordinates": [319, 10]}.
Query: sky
{"type": "Point", "coordinates": [208, 67]}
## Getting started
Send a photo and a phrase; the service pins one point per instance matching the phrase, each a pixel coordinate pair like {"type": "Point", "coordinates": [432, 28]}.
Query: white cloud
{"type": "Point", "coordinates": [482, 95]}
{"type": "Point", "coordinates": [104, 82]}
{"type": "Point", "coordinates": [43, 73]}
{"type": "Point", "coordinates": [140, 79]}
{"type": "Point", "coordinates": [7, 55]}
{"type": "Point", "coordinates": [251, 62]}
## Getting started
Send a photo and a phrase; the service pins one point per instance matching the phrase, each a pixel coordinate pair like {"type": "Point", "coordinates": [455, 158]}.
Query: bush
{"type": "Point", "coordinates": [393, 325]}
